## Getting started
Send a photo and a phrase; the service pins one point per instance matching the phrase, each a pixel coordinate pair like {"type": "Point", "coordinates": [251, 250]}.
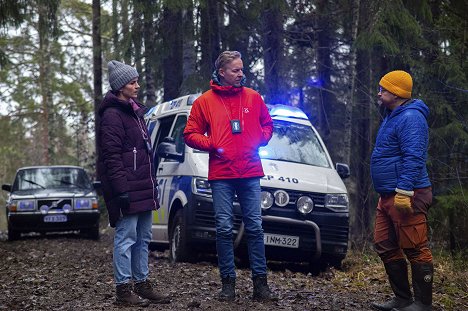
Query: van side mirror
{"type": "Point", "coordinates": [343, 170]}
{"type": "Point", "coordinates": [6, 187]}
{"type": "Point", "coordinates": [167, 149]}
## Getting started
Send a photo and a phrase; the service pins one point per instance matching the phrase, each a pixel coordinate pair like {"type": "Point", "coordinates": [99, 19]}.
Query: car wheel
{"type": "Point", "coordinates": [94, 233]}
{"type": "Point", "coordinates": [13, 234]}
{"type": "Point", "coordinates": [179, 251]}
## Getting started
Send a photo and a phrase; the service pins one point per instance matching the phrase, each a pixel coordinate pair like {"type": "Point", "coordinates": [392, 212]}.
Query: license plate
{"type": "Point", "coordinates": [281, 240]}
{"type": "Point", "coordinates": [55, 218]}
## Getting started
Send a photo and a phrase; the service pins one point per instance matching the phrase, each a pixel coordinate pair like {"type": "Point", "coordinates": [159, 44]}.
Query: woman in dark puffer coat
{"type": "Point", "coordinates": [125, 168]}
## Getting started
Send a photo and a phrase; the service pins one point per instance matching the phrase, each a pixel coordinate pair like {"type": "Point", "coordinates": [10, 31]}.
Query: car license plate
{"type": "Point", "coordinates": [55, 218]}
{"type": "Point", "coordinates": [281, 240]}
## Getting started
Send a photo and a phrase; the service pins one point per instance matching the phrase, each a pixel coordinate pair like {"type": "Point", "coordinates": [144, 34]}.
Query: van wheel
{"type": "Point", "coordinates": [336, 262]}
{"type": "Point", "coordinates": [179, 251]}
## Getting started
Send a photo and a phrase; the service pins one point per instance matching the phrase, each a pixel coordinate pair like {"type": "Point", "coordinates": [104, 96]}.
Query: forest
{"type": "Point", "coordinates": [325, 57]}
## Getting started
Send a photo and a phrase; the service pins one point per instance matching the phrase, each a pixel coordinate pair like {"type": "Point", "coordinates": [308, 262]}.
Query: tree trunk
{"type": "Point", "coordinates": [190, 83]}
{"type": "Point", "coordinates": [172, 57]}
{"type": "Point", "coordinates": [149, 52]}
{"type": "Point", "coordinates": [362, 127]}
{"type": "Point", "coordinates": [272, 42]}
{"type": "Point", "coordinates": [137, 40]}
{"type": "Point", "coordinates": [209, 37]}
{"type": "Point", "coordinates": [324, 66]}
{"type": "Point", "coordinates": [44, 82]}
{"type": "Point", "coordinates": [97, 70]}
{"type": "Point", "coordinates": [238, 35]}
{"type": "Point", "coordinates": [352, 94]}
{"type": "Point", "coordinates": [126, 44]}
{"type": "Point", "coordinates": [115, 29]}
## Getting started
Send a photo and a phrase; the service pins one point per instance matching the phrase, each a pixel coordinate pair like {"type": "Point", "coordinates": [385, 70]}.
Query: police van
{"type": "Point", "coordinates": [304, 201]}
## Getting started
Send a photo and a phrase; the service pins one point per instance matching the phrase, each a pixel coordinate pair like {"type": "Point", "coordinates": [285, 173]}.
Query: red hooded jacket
{"type": "Point", "coordinates": [231, 155]}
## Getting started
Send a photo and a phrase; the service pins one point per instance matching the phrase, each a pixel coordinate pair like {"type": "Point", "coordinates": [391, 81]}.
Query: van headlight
{"type": "Point", "coordinates": [305, 205]}
{"type": "Point", "coordinates": [201, 186]}
{"type": "Point", "coordinates": [337, 202]}
{"type": "Point", "coordinates": [267, 200]}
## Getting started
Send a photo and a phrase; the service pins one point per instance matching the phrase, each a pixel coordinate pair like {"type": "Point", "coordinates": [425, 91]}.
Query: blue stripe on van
{"type": "Point", "coordinates": [182, 183]}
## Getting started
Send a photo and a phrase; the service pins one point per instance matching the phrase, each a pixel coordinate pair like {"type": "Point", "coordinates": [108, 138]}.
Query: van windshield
{"type": "Point", "coordinates": [292, 142]}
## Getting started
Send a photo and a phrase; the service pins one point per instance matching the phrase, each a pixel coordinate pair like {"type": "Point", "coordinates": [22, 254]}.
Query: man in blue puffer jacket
{"type": "Point", "coordinates": [399, 174]}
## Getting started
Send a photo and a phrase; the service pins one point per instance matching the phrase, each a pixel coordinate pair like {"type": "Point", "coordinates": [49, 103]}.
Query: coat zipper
{"type": "Point", "coordinates": [134, 158]}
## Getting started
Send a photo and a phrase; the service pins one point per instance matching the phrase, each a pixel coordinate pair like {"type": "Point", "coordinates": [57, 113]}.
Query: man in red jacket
{"type": "Point", "coordinates": [231, 122]}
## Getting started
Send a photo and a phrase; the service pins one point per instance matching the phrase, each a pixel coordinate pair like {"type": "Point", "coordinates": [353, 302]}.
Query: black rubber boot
{"type": "Point", "coordinates": [228, 291]}
{"type": "Point", "coordinates": [422, 286]}
{"type": "Point", "coordinates": [261, 290]}
{"type": "Point", "coordinates": [397, 272]}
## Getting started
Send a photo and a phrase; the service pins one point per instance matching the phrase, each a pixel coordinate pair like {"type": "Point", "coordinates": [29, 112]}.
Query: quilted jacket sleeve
{"type": "Point", "coordinates": [414, 139]}
{"type": "Point", "coordinates": [197, 126]}
{"type": "Point", "coordinates": [112, 136]}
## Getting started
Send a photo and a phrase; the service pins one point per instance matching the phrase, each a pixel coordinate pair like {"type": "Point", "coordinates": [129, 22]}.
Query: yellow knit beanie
{"type": "Point", "coordinates": [398, 82]}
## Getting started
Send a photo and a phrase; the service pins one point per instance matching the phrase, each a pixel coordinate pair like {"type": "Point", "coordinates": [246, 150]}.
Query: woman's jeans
{"type": "Point", "coordinates": [131, 240]}
{"type": "Point", "coordinates": [248, 194]}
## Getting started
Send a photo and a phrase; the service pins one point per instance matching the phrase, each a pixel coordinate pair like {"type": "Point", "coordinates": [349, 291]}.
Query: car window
{"type": "Point", "coordinates": [294, 142]}
{"type": "Point", "coordinates": [163, 129]}
{"type": "Point", "coordinates": [178, 133]}
{"type": "Point", "coordinates": [47, 178]}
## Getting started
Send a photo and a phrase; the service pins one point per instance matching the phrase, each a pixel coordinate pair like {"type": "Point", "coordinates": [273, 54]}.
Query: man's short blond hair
{"type": "Point", "coordinates": [225, 58]}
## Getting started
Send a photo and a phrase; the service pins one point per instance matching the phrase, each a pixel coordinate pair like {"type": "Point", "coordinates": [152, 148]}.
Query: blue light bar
{"type": "Point", "coordinates": [287, 111]}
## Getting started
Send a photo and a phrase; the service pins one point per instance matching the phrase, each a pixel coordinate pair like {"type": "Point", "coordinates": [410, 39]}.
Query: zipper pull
{"type": "Point", "coordinates": [134, 158]}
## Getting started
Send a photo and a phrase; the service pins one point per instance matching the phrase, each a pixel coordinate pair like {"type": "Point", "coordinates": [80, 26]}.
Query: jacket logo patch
{"type": "Point", "coordinates": [246, 110]}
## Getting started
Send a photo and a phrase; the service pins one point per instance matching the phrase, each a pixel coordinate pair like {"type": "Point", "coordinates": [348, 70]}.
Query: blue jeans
{"type": "Point", "coordinates": [131, 240]}
{"type": "Point", "coordinates": [248, 193]}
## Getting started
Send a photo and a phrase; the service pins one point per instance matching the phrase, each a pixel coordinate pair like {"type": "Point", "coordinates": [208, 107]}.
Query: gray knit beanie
{"type": "Point", "coordinates": [120, 74]}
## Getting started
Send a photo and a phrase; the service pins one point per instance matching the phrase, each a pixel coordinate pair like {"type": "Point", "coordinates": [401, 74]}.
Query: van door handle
{"type": "Point", "coordinates": [160, 169]}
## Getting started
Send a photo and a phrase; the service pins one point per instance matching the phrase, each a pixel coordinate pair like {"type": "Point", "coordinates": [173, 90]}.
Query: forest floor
{"type": "Point", "coordinates": [66, 272]}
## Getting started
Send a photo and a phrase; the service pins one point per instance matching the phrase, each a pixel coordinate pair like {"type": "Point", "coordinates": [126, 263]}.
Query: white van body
{"type": "Point", "coordinates": [298, 171]}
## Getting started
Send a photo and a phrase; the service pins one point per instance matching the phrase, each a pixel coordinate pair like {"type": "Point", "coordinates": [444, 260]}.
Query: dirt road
{"type": "Point", "coordinates": [66, 272]}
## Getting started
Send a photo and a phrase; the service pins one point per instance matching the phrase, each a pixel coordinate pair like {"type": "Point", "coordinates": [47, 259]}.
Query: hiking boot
{"type": "Point", "coordinates": [397, 272]}
{"type": "Point", "coordinates": [145, 289]}
{"type": "Point", "coordinates": [125, 297]}
{"type": "Point", "coordinates": [261, 291]}
{"type": "Point", "coordinates": [228, 291]}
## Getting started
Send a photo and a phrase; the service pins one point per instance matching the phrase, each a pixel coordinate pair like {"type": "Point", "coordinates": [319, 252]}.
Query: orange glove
{"type": "Point", "coordinates": [402, 203]}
